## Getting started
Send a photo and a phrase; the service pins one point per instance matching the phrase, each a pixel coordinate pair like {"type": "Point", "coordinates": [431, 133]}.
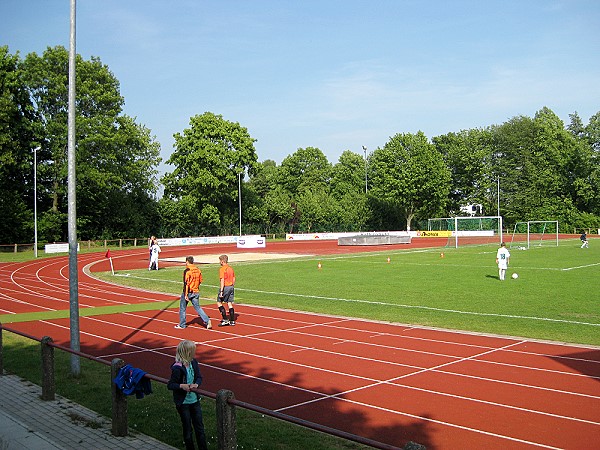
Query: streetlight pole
{"type": "Point", "coordinates": [35, 237]}
{"type": "Point", "coordinates": [498, 206]}
{"type": "Point", "coordinates": [240, 199]}
{"type": "Point", "coordinates": [366, 186]}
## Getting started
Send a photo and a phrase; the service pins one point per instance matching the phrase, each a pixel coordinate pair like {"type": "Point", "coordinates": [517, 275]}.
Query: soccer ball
{"type": "Point", "coordinates": [514, 276]}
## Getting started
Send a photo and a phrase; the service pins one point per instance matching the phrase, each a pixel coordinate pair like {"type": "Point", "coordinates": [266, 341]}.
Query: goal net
{"type": "Point", "coordinates": [538, 233]}
{"type": "Point", "coordinates": [469, 230]}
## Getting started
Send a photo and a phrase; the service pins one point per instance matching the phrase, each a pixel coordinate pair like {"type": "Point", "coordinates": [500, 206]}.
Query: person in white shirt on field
{"type": "Point", "coordinates": [154, 251]}
{"type": "Point", "coordinates": [502, 258]}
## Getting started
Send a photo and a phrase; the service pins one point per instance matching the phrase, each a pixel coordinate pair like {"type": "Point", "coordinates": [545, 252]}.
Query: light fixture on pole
{"type": "Point", "coordinates": [35, 236]}
{"type": "Point", "coordinates": [365, 150]}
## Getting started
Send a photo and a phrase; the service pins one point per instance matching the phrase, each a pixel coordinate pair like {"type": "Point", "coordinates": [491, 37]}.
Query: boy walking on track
{"type": "Point", "coordinates": [192, 277]}
{"type": "Point", "coordinates": [227, 280]}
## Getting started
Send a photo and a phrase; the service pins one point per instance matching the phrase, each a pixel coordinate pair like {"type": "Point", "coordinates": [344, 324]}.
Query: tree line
{"type": "Point", "coordinates": [534, 168]}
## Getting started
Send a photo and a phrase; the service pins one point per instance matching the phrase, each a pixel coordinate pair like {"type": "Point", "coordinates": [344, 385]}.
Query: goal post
{"type": "Point", "coordinates": [469, 229]}
{"type": "Point", "coordinates": [537, 233]}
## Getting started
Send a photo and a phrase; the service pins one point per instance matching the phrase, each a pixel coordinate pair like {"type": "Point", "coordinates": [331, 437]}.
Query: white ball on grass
{"type": "Point", "coordinates": [514, 276]}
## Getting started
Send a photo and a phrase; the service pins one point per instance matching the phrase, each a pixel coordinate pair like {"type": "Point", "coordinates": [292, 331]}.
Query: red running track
{"type": "Point", "coordinates": [388, 382]}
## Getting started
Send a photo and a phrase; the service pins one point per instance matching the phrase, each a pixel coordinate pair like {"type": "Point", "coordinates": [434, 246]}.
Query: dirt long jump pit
{"type": "Point", "coordinates": [237, 257]}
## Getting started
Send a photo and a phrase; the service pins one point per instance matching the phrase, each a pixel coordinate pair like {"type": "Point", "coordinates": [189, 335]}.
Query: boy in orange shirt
{"type": "Point", "coordinates": [192, 277]}
{"type": "Point", "coordinates": [227, 280]}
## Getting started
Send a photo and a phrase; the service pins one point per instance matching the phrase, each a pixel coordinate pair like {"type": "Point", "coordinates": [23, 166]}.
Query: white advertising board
{"type": "Point", "coordinates": [251, 242]}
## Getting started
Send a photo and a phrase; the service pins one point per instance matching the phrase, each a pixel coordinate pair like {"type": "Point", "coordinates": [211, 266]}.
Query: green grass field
{"type": "Point", "coordinates": [556, 297]}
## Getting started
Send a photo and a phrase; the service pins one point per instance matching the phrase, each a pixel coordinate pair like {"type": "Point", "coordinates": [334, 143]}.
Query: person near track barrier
{"type": "Point", "coordinates": [192, 278]}
{"type": "Point", "coordinates": [226, 291]}
{"type": "Point", "coordinates": [185, 376]}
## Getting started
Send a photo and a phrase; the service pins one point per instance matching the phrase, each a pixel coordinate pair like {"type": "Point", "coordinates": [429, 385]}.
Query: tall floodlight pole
{"type": "Point", "coordinates": [365, 150]}
{"type": "Point", "coordinates": [240, 199]}
{"type": "Point", "coordinates": [72, 223]}
{"type": "Point", "coordinates": [35, 237]}
{"type": "Point", "coordinates": [498, 206]}
{"type": "Point", "coordinates": [498, 197]}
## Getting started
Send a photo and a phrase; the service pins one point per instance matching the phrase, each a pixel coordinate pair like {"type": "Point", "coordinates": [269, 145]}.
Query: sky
{"type": "Point", "coordinates": [333, 74]}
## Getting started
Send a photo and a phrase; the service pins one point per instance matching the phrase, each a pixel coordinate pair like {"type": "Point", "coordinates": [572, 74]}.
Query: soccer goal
{"type": "Point", "coordinates": [469, 230]}
{"type": "Point", "coordinates": [537, 233]}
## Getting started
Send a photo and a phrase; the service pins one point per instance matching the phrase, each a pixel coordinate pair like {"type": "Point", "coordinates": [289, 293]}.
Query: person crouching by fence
{"type": "Point", "coordinates": [185, 376]}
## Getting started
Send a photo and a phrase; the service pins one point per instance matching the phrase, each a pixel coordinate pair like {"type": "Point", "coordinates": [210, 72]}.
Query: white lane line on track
{"type": "Point", "coordinates": [378, 382]}
{"type": "Point", "coordinates": [374, 381]}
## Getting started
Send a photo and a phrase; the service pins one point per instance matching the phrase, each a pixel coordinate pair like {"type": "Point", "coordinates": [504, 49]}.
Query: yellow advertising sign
{"type": "Point", "coordinates": [434, 233]}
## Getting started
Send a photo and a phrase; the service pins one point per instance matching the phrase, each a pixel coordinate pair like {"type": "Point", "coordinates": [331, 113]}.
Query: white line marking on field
{"type": "Point", "coordinates": [581, 267]}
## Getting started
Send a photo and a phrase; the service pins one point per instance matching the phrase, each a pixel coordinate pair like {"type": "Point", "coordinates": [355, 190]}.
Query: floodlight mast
{"type": "Point", "coordinates": [72, 204]}
{"type": "Point", "coordinates": [240, 199]}
{"type": "Point", "coordinates": [35, 233]}
{"type": "Point", "coordinates": [366, 185]}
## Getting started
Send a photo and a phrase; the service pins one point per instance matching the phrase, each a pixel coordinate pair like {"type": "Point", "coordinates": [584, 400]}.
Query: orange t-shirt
{"type": "Point", "coordinates": [193, 278]}
{"type": "Point", "coordinates": [226, 274]}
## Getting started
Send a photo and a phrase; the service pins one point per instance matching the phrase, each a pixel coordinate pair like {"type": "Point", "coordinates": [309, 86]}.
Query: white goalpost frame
{"type": "Point", "coordinates": [474, 218]}
{"type": "Point", "coordinates": [529, 223]}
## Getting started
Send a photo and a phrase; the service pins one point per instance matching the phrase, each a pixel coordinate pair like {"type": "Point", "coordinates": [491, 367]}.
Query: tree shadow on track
{"type": "Point", "coordinates": [149, 320]}
{"type": "Point", "coordinates": [585, 362]}
{"type": "Point", "coordinates": [294, 395]}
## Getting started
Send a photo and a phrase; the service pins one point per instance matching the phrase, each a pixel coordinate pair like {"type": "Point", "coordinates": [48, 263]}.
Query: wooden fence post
{"type": "Point", "coordinates": [48, 382]}
{"type": "Point", "coordinates": [119, 401]}
{"type": "Point", "coordinates": [226, 422]}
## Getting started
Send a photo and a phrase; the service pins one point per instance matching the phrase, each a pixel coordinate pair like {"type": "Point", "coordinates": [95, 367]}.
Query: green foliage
{"type": "Point", "coordinates": [468, 155]}
{"type": "Point", "coordinates": [116, 158]}
{"type": "Point", "coordinates": [409, 174]}
{"type": "Point", "coordinates": [208, 159]}
{"type": "Point", "coordinates": [17, 134]}
{"type": "Point", "coordinates": [305, 169]}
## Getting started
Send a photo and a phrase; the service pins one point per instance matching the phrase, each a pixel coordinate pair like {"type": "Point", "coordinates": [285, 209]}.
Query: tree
{"type": "Point", "coordinates": [17, 135]}
{"type": "Point", "coordinates": [409, 177]}
{"type": "Point", "coordinates": [348, 189]}
{"type": "Point", "coordinates": [348, 175]}
{"type": "Point", "coordinates": [305, 169]}
{"type": "Point", "coordinates": [586, 166]}
{"type": "Point", "coordinates": [116, 159]}
{"type": "Point", "coordinates": [468, 155]}
{"type": "Point", "coordinates": [208, 157]}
